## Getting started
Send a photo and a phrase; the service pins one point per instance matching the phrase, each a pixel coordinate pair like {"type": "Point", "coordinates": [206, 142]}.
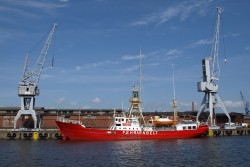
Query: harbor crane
{"type": "Point", "coordinates": [245, 103]}
{"type": "Point", "coordinates": [28, 86]}
{"type": "Point", "coordinates": [210, 83]}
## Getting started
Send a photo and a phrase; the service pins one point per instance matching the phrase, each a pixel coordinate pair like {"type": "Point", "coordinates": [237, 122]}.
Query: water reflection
{"type": "Point", "coordinates": [220, 151]}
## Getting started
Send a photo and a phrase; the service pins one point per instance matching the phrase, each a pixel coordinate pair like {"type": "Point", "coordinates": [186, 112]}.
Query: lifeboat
{"type": "Point", "coordinates": [163, 121]}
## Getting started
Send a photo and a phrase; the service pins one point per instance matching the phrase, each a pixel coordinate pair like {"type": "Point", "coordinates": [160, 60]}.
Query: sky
{"type": "Point", "coordinates": [97, 46]}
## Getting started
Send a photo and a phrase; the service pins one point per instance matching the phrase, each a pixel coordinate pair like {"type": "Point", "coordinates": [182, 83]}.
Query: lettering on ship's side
{"type": "Point", "coordinates": [139, 132]}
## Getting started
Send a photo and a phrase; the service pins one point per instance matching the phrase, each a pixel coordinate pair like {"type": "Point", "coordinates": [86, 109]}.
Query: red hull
{"type": "Point", "coordinates": [78, 132]}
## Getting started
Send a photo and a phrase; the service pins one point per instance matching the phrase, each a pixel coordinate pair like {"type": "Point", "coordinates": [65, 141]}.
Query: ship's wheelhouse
{"type": "Point", "coordinates": [123, 123]}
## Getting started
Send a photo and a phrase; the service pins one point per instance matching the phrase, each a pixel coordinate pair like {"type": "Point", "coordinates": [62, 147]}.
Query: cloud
{"type": "Point", "coordinates": [233, 104]}
{"type": "Point", "coordinates": [102, 63]}
{"type": "Point", "coordinates": [166, 55]}
{"type": "Point", "coordinates": [247, 48]}
{"type": "Point", "coordinates": [131, 69]}
{"type": "Point", "coordinates": [96, 100]}
{"type": "Point", "coordinates": [86, 107]}
{"type": "Point", "coordinates": [154, 64]}
{"type": "Point", "coordinates": [46, 76]}
{"type": "Point", "coordinates": [6, 20]}
{"type": "Point", "coordinates": [25, 8]}
{"type": "Point", "coordinates": [40, 4]}
{"type": "Point", "coordinates": [19, 12]}
{"type": "Point", "coordinates": [132, 57]}
{"type": "Point", "coordinates": [154, 58]}
{"type": "Point", "coordinates": [235, 34]}
{"type": "Point", "coordinates": [61, 100]}
{"type": "Point", "coordinates": [185, 104]}
{"type": "Point", "coordinates": [89, 66]}
{"type": "Point", "coordinates": [182, 11]}
{"type": "Point", "coordinates": [199, 43]}
{"type": "Point", "coordinates": [78, 68]}
{"type": "Point", "coordinates": [174, 52]}
{"type": "Point", "coordinates": [7, 35]}
{"type": "Point", "coordinates": [73, 103]}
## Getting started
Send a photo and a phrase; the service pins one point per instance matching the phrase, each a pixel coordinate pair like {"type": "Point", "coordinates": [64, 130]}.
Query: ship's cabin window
{"type": "Point", "coordinates": [194, 127]}
{"type": "Point", "coordinates": [189, 127]}
{"type": "Point", "coordinates": [122, 119]}
{"type": "Point", "coordinates": [118, 124]}
{"type": "Point", "coordinates": [135, 95]}
{"type": "Point", "coordinates": [134, 121]}
{"type": "Point", "coordinates": [184, 127]}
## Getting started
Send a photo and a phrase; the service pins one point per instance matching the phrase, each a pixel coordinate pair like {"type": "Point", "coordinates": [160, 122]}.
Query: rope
{"type": "Point", "coordinates": [224, 48]}
{"type": "Point", "coordinates": [53, 58]}
{"type": "Point", "coordinates": [35, 46]}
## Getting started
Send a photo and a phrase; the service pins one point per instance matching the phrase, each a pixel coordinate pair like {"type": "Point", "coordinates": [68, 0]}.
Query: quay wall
{"type": "Point", "coordinates": [9, 134]}
{"type": "Point", "coordinates": [229, 132]}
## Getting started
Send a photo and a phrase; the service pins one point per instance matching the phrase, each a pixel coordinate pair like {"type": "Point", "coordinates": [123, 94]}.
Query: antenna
{"type": "Point", "coordinates": [140, 84]}
{"type": "Point", "coordinates": [79, 114]}
{"type": "Point", "coordinates": [173, 81]}
{"type": "Point", "coordinates": [122, 105]}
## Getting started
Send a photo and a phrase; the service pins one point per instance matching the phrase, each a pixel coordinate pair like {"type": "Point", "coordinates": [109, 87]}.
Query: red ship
{"type": "Point", "coordinates": [129, 131]}
{"type": "Point", "coordinates": [129, 127]}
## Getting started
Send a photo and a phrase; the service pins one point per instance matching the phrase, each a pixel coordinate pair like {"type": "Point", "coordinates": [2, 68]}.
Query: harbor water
{"type": "Point", "coordinates": [209, 151]}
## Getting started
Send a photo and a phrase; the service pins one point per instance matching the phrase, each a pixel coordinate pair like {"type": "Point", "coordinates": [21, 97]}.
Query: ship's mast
{"type": "Point", "coordinates": [136, 99]}
{"type": "Point", "coordinates": [174, 100]}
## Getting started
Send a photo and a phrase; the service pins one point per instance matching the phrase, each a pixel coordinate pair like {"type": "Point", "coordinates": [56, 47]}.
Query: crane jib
{"type": "Point", "coordinates": [36, 71]}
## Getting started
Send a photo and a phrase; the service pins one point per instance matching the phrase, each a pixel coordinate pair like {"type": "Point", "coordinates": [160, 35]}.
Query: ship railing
{"type": "Point", "coordinates": [67, 120]}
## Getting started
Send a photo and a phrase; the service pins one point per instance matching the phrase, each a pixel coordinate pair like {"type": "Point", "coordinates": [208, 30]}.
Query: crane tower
{"type": "Point", "coordinates": [245, 103]}
{"type": "Point", "coordinates": [28, 86]}
{"type": "Point", "coordinates": [209, 84]}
